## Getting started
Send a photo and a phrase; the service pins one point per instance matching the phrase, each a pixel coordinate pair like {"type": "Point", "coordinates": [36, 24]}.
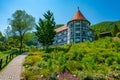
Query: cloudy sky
{"type": "Point", "coordinates": [94, 10]}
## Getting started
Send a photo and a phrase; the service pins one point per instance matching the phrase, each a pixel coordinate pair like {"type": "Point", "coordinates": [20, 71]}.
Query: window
{"type": "Point", "coordinates": [64, 32]}
{"type": "Point", "coordinates": [77, 39]}
{"type": "Point", "coordinates": [83, 27]}
{"type": "Point", "coordinates": [71, 25]}
{"type": "Point", "coordinates": [71, 29]}
{"type": "Point", "coordinates": [91, 39]}
{"type": "Point", "coordinates": [77, 25]}
{"type": "Point", "coordinates": [77, 29]}
{"type": "Point", "coordinates": [77, 34]}
{"type": "Point", "coordinates": [71, 33]}
{"type": "Point", "coordinates": [59, 40]}
{"type": "Point", "coordinates": [83, 32]}
{"type": "Point", "coordinates": [71, 40]}
{"type": "Point", "coordinates": [90, 32]}
{"type": "Point", "coordinates": [83, 39]}
{"type": "Point", "coordinates": [64, 39]}
{"type": "Point", "coordinates": [59, 34]}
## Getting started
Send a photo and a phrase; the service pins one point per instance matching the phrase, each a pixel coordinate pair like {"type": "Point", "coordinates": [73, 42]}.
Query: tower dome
{"type": "Point", "coordinates": [78, 16]}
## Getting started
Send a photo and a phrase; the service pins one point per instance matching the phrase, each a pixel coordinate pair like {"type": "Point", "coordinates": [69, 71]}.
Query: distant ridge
{"type": "Point", "coordinates": [105, 26]}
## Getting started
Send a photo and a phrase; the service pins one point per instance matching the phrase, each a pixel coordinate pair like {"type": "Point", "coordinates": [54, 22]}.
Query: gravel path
{"type": "Point", "coordinates": [13, 70]}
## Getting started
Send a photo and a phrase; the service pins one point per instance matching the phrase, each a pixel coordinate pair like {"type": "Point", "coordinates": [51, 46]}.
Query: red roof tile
{"type": "Point", "coordinates": [78, 16]}
{"type": "Point", "coordinates": [62, 28]}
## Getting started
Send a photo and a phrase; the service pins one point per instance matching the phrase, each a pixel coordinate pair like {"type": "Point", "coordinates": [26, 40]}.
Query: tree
{"type": "Point", "coordinates": [118, 34]}
{"type": "Point", "coordinates": [21, 22]}
{"type": "Point", "coordinates": [59, 25]}
{"type": "Point", "coordinates": [45, 29]}
{"type": "Point", "coordinates": [114, 30]}
{"type": "Point", "coordinates": [0, 34]}
{"type": "Point", "coordinates": [7, 32]}
{"type": "Point", "coordinates": [30, 39]}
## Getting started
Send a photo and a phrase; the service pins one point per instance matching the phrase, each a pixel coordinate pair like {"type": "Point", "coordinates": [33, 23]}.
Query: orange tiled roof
{"type": "Point", "coordinates": [78, 16]}
{"type": "Point", "coordinates": [61, 28]}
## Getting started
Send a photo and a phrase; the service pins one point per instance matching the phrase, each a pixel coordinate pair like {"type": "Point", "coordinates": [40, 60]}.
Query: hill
{"type": "Point", "coordinates": [105, 26]}
{"type": "Point", "coordinates": [98, 60]}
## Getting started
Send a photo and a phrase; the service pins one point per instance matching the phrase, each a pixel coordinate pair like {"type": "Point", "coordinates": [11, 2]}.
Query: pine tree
{"type": "Point", "coordinates": [45, 29]}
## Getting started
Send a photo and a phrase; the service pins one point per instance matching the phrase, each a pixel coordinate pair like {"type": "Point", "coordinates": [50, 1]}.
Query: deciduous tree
{"type": "Point", "coordinates": [21, 22]}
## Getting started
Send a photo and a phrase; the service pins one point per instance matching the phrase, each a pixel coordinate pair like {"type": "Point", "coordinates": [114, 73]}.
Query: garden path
{"type": "Point", "coordinates": [13, 70]}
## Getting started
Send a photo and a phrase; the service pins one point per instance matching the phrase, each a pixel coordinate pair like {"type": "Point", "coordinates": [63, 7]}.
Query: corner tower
{"type": "Point", "coordinates": [79, 29]}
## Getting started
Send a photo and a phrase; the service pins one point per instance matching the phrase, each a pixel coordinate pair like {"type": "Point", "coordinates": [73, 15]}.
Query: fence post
{"type": "Point", "coordinates": [10, 56]}
{"type": "Point", "coordinates": [6, 59]}
{"type": "Point", "coordinates": [0, 63]}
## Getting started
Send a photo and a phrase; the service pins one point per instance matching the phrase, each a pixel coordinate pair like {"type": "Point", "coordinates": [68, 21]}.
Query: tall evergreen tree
{"type": "Point", "coordinates": [45, 29]}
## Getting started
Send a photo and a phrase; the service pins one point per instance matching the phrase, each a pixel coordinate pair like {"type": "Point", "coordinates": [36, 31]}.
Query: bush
{"type": "Point", "coordinates": [46, 56]}
{"type": "Point", "coordinates": [109, 61]}
{"type": "Point", "coordinates": [31, 60]}
{"type": "Point", "coordinates": [118, 35]}
{"type": "Point", "coordinates": [74, 65]}
{"type": "Point", "coordinates": [76, 56]}
{"type": "Point", "coordinates": [41, 65]}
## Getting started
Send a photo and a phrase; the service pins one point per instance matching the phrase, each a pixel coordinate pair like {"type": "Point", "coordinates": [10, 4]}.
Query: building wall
{"type": "Point", "coordinates": [78, 31]}
{"type": "Point", "coordinates": [60, 38]}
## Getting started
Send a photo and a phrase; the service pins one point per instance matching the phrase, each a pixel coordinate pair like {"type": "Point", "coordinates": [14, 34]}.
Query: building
{"type": "Point", "coordinates": [105, 34]}
{"type": "Point", "coordinates": [76, 30]}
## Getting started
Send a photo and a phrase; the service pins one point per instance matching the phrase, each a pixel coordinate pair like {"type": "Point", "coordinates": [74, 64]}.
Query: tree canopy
{"type": "Point", "coordinates": [7, 32]}
{"type": "Point", "coordinates": [21, 22]}
{"type": "Point", "coordinates": [108, 26]}
{"type": "Point", "coordinates": [45, 29]}
{"type": "Point", "coordinates": [114, 30]}
{"type": "Point", "coordinates": [0, 34]}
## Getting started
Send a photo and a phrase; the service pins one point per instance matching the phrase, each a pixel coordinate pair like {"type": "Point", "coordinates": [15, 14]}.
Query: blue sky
{"type": "Point", "coordinates": [94, 10]}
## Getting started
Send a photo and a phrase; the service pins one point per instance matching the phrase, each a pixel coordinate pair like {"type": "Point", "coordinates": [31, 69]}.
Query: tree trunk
{"type": "Point", "coordinates": [46, 48]}
{"type": "Point", "coordinates": [21, 40]}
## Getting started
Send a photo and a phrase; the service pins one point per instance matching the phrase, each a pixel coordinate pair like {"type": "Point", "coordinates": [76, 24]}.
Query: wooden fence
{"type": "Point", "coordinates": [7, 58]}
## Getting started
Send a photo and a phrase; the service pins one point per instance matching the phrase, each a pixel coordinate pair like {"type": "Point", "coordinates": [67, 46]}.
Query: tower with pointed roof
{"type": "Point", "coordinates": [76, 30]}
{"type": "Point", "coordinates": [79, 29]}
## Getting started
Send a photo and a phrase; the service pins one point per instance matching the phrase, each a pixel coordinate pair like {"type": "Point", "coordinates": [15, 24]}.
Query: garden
{"type": "Point", "coordinates": [97, 60]}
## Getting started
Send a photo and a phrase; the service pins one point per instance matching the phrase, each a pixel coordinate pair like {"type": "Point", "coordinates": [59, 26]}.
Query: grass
{"type": "Point", "coordinates": [3, 53]}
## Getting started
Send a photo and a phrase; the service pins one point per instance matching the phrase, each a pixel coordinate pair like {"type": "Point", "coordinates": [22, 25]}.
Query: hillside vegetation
{"type": "Point", "coordinates": [105, 26]}
{"type": "Point", "coordinates": [108, 26]}
{"type": "Point", "coordinates": [98, 60]}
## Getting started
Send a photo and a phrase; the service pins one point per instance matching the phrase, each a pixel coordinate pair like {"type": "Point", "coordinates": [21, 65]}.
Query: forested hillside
{"type": "Point", "coordinates": [107, 26]}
